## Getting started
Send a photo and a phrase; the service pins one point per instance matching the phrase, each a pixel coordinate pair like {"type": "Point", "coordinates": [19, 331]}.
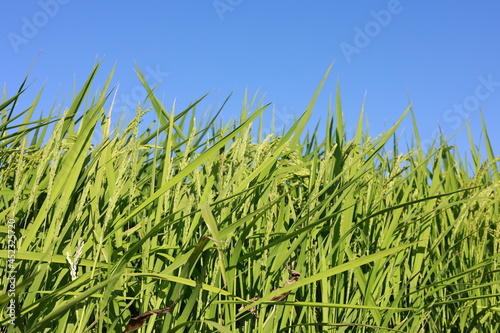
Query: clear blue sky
{"type": "Point", "coordinates": [444, 55]}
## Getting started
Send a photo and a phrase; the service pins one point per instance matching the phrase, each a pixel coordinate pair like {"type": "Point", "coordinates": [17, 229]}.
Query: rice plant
{"type": "Point", "coordinates": [184, 225]}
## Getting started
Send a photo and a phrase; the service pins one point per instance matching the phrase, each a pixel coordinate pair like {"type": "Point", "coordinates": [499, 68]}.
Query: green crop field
{"type": "Point", "coordinates": [184, 225]}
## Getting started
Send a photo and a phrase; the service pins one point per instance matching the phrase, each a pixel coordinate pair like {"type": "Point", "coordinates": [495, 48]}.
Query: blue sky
{"type": "Point", "coordinates": [444, 56]}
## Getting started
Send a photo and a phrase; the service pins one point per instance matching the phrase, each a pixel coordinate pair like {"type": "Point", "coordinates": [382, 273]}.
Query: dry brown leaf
{"type": "Point", "coordinates": [295, 276]}
{"type": "Point", "coordinates": [138, 321]}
